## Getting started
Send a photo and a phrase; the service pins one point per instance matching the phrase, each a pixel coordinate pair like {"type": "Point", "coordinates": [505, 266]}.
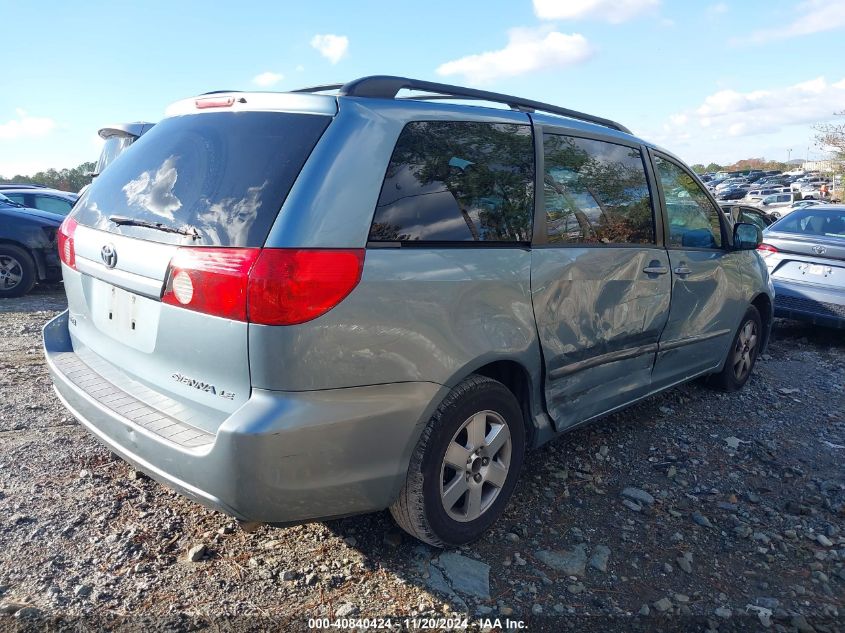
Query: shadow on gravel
{"type": "Point", "coordinates": [787, 331]}
{"type": "Point", "coordinates": [42, 297]}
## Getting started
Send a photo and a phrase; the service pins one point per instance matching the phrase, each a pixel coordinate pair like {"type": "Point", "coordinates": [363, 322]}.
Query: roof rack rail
{"type": "Point", "coordinates": [321, 88]}
{"type": "Point", "coordinates": [387, 87]}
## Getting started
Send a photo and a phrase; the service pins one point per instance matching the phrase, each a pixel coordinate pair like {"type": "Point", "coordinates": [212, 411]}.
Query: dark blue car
{"type": "Point", "coordinates": [28, 252]}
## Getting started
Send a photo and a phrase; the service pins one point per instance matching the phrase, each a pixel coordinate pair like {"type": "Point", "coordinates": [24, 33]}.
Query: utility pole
{"type": "Point", "coordinates": [788, 155]}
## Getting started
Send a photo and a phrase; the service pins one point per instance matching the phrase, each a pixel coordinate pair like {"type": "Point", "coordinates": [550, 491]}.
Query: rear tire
{"type": "Point", "coordinates": [465, 465]}
{"type": "Point", "coordinates": [742, 354]}
{"type": "Point", "coordinates": [17, 271]}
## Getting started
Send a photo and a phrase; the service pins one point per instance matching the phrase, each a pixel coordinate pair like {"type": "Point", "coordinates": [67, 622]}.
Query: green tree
{"type": "Point", "coordinates": [832, 135]}
{"type": "Point", "coordinates": [65, 179]}
{"type": "Point", "coordinates": [713, 167]}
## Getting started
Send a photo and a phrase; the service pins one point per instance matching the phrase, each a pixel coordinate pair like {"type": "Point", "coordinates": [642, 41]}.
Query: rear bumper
{"type": "Point", "coordinates": [805, 302]}
{"type": "Point", "coordinates": [282, 457]}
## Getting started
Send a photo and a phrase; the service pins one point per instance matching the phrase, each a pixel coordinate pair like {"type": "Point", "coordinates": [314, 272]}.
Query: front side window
{"type": "Point", "coordinates": [752, 218]}
{"type": "Point", "coordinates": [54, 205]}
{"type": "Point", "coordinates": [693, 219]}
{"type": "Point", "coordinates": [16, 197]}
{"type": "Point", "coordinates": [595, 193]}
{"type": "Point", "coordinates": [455, 181]}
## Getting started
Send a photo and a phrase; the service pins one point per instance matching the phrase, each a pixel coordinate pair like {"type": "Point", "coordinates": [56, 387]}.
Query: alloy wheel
{"type": "Point", "coordinates": [11, 272]}
{"type": "Point", "coordinates": [745, 350]}
{"type": "Point", "coordinates": [475, 466]}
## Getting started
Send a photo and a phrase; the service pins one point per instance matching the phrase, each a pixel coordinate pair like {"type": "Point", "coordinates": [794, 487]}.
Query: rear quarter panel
{"type": "Point", "coordinates": [418, 315]}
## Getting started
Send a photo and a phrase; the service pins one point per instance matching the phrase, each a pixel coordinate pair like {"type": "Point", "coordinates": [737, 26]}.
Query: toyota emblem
{"type": "Point", "coordinates": [818, 249]}
{"type": "Point", "coordinates": [109, 255]}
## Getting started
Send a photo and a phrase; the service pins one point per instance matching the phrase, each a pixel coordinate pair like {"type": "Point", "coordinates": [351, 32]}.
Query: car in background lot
{"type": "Point", "coordinates": [28, 252]}
{"type": "Point", "coordinates": [117, 139]}
{"type": "Point", "coordinates": [798, 204]}
{"type": "Point", "coordinates": [805, 255]}
{"type": "Point", "coordinates": [754, 195]}
{"type": "Point", "coordinates": [775, 201]}
{"type": "Point", "coordinates": [39, 197]}
{"type": "Point", "coordinates": [737, 192]}
{"type": "Point", "coordinates": [286, 332]}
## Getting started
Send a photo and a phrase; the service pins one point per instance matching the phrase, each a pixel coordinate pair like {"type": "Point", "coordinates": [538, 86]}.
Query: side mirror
{"type": "Point", "coordinates": [765, 204]}
{"type": "Point", "coordinates": [747, 236]}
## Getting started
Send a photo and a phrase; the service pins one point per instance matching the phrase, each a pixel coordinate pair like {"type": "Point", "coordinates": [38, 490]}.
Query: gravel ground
{"type": "Point", "coordinates": [694, 510]}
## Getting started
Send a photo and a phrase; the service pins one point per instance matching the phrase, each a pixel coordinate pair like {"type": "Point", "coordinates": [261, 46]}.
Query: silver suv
{"type": "Point", "coordinates": [306, 305]}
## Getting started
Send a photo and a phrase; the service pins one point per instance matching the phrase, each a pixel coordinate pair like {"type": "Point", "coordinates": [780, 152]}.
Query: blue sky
{"type": "Point", "coordinates": [711, 81]}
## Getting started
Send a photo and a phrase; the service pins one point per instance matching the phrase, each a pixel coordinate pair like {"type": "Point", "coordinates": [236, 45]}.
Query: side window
{"type": "Point", "coordinates": [595, 193]}
{"type": "Point", "coordinates": [16, 197]}
{"type": "Point", "coordinates": [752, 218]}
{"type": "Point", "coordinates": [54, 205]}
{"type": "Point", "coordinates": [693, 219]}
{"type": "Point", "coordinates": [452, 181]}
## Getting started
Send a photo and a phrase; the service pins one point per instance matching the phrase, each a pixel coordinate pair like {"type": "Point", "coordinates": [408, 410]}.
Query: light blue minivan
{"type": "Point", "coordinates": [293, 306]}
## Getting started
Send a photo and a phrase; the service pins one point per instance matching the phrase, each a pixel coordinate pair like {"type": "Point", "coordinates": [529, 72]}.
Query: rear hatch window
{"type": "Point", "coordinates": [221, 177]}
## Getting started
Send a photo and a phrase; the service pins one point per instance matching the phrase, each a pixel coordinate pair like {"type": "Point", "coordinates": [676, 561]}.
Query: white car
{"type": "Point", "coordinates": [800, 204]}
{"type": "Point", "coordinates": [775, 201]}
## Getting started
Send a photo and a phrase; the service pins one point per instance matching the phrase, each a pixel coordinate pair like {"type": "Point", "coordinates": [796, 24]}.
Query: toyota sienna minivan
{"type": "Point", "coordinates": [296, 306]}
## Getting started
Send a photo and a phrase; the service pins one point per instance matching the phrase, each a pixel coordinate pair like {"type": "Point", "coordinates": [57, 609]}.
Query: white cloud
{"type": "Point", "coordinates": [718, 9]}
{"type": "Point", "coordinates": [613, 11]}
{"type": "Point", "coordinates": [267, 79]}
{"type": "Point", "coordinates": [332, 47]}
{"type": "Point", "coordinates": [527, 50]}
{"type": "Point", "coordinates": [813, 16]}
{"type": "Point", "coordinates": [730, 114]}
{"type": "Point", "coordinates": [25, 126]}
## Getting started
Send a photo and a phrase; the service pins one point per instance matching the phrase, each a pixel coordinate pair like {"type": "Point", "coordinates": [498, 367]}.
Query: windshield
{"type": "Point", "coordinates": [226, 174]}
{"type": "Point", "coordinates": [813, 221]}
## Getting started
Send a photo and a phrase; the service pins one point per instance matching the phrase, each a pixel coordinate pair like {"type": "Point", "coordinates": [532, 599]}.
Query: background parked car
{"type": "Point", "coordinates": [28, 252]}
{"type": "Point", "coordinates": [805, 254]}
{"type": "Point", "coordinates": [733, 193]}
{"type": "Point", "coordinates": [775, 201]}
{"type": "Point", "coordinates": [117, 138]}
{"type": "Point", "coordinates": [39, 197]}
{"type": "Point", "coordinates": [798, 204]}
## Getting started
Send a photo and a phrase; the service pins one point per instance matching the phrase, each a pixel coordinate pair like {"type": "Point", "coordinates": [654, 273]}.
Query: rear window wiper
{"type": "Point", "coordinates": [185, 230]}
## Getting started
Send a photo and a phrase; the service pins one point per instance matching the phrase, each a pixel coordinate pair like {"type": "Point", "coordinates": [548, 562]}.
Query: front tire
{"type": "Point", "coordinates": [742, 354]}
{"type": "Point", "coordinates": [17, 271]}
{"type": "Point", "coordinates": [465, 465]}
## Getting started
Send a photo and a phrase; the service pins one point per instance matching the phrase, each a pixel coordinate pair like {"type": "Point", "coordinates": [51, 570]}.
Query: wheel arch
{"type": "Point", "coordinates": [764, 306]}
{"type": "Point", "coordinates": [524, 385]}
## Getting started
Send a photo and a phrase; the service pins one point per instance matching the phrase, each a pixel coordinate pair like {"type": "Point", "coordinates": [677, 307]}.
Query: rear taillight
{"type": "Point", "coordinates": [289, 286]}
{"type": "Point", "coordinates": [766, 250]}
{"type": "Point", "coordinates": [272, 286]}
{"type": "Point", "coordinates": [67, 249]}
{"type": "Point", "coordinates": [210, 280]}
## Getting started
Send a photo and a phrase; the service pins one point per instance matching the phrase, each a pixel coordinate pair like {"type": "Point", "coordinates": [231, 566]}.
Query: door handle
{"type": "Point", "coordinates": [682, 270]}
{"type": "Point", "coordinates": [655, 270]}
